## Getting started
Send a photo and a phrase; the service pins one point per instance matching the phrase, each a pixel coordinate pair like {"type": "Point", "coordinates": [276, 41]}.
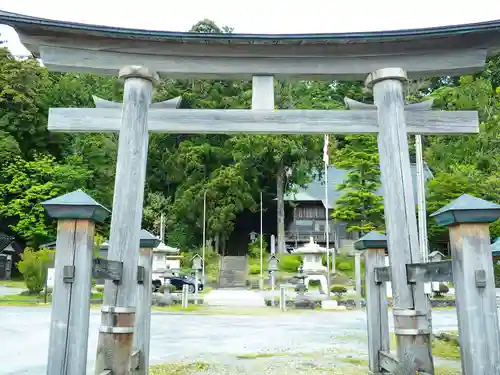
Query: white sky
{"type": "Point", "coordinates": [256, 16]}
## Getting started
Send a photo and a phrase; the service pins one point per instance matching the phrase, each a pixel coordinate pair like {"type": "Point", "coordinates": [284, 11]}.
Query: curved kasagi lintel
{"type": "Point", "coordinates": [75, 47]}
{"type": "Point", "coordinates": [170, 103]}
{"type": "Point", "coordinates": [21, 20]}
{"type": "Point", "coordinates": [421, 106]}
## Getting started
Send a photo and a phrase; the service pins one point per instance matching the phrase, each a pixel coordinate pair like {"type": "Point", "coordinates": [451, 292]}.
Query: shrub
{"type": "Point", "coordinates": [443, 289]}
{"type": "Point", "coordinates": [254, 269]}
{"type": "Point", "coordinates": [345, 266]}
{"type": "Point", "coordinates": [33, 266]}
{"type": "Point", "coordinates": [314, 284]}
{"type": "Point", "coordinates": [99, 288]}
{"type": "Point", "coordinates": [290, 263]}
{"type": "Point", "coordinates": [496, 269]}
{"type": "Point", "coordinates": [339, 290]}
{"type": "Point", "coordinates": [254, 248]}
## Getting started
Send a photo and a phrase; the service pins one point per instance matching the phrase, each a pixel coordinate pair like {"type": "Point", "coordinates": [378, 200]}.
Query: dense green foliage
{"type": "Point", "coordinates": [232, 171]}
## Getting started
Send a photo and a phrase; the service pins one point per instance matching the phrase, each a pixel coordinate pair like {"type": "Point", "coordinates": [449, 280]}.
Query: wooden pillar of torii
{"type": "Point", "coordinates": [389, 121]}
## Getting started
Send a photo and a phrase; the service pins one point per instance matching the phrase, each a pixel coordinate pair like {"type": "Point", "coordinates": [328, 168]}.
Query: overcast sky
{"type": "Point", "coordinates": [256, 16]}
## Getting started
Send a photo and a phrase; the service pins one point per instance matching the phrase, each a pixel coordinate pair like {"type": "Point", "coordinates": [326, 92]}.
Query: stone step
{"type": "Point", "coordinates": [233, 271]}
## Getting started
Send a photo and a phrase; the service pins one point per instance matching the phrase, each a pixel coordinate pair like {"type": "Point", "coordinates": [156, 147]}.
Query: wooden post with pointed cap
{"type": "Point", "coordinates": [467, 218]}
{"type": "Point", "coordinates": [374, 245]}
{"type": "Point", "coordinates": [76, 213]}
{"type": "Point", "coordinates": [142, 335]}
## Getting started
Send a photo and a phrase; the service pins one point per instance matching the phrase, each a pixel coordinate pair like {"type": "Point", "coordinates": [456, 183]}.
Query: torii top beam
{"type": "Point", "coordinates": [439, 51]}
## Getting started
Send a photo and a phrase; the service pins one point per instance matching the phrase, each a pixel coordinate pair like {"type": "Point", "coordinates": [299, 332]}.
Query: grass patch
{"type": "Point", "coordinates": [178, 308]}
{"type": "Point", "coordinates": [440, 348]}
{"type": "Point", "coordinates": [179, 368]}
{"type": "Point", "coordinates": [355, 361]}
{"type": "Point", "coordinates": [445, 349]}
{"type": "Point", "coordinates": [448, 371]}
{"type": "Point", "coordinates": [260, 355]}
{"type": "Point", "coordinates": [13, 284]}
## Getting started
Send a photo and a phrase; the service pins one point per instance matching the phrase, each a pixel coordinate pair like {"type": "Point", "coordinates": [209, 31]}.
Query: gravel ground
{"type": "Point", "coordinates": [290, 343]}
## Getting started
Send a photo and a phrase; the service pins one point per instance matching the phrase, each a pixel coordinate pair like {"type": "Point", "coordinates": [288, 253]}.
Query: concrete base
{"type": "Point", "coordinates": [234, 298]}
{"type": "Point", "coordinates": [331, 305]}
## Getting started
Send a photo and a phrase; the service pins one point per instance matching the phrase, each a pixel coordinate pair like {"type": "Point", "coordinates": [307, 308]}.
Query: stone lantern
{"type": "Point", "coordinates": [197, 266]}
{"type": "Point", "coordinates": [312, 264]}
{"type": "Point", "coordinates": [167, 297]}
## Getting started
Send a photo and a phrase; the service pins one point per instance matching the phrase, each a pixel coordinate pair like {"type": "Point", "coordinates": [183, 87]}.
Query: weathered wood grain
{"type": "Point", "coordinates": [422, 106]}
{"type": "Point", "coordinates": [170, 103]}
{"type": "Point", "coordinates": [213, 121]}
{"type": "Point", "coordinates": [127, 213]}
{"type": "Point", "coordinates": [387, 361]}
{"type": "Point", "coordinates": [399, 208]}
{"type": "Point", "coordinates": [107, 269]}
{"type": "Point", "coordinates": [143, 313]}
{"type": "Point", "coordinates": [428, 272]}
{"type": "Point", "coordinates": [376, 310]}
{"type": "Point", "coordinates": [420, 272]}
{"type": "Point", "coordinates": [357, 272]}
{"type": "Point", "coordinates": [71, 299]}
{"type": "Point", "coordinates": [478, 326]}
{"type": "Point", "coordinates": [417, 64]}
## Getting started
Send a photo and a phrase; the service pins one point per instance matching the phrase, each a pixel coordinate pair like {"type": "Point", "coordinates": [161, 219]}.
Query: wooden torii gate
{"type": "Point", "coordinates": [389, 122]}
{"type": "Point", "coordinates": [384, 60]}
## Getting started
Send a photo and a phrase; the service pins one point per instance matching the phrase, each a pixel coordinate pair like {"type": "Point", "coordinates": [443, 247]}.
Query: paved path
{"type": "Point", "coordinates": [177, 337]}
{"type": "Point", "coordinates": [4, 291]}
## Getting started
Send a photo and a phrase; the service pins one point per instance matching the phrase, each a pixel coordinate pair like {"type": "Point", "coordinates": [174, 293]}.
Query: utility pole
{"type": "Point", "coordinates": [422, 215]}
{"type": "Point", "coordinates": [261, 283]}
{"type": "Point", "coordinates": [204, 236]}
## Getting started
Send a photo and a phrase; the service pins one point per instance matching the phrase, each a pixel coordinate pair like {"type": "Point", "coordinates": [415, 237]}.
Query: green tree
{"type": "Point", "coordinates": [359, 205]}
{"type": "Point", "coordinates": [33, 266]}
{"type": "Point", "coordinates": [23, 106]}
{"type": "Point", "coordinates": [466, 164]}
{"type": "Point", "coordinates": [26, 184]}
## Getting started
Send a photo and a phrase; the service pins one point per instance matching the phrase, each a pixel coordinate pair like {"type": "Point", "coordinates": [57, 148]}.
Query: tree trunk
{"type": "Point", "coordinates": [217, 247]}
{"type": "Point", "coordinates": [280, 195]}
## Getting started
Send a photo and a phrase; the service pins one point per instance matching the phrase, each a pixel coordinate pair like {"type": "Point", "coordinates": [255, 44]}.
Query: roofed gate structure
{"type": "Point", "coordinates": [385, 60]}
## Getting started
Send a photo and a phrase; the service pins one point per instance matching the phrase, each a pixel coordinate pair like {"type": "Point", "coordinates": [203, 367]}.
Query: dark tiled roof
{"type": "Point", "coordinates": [495, 247]}
{"type": "Point", "coordinates": [315, 190]}
{"type": "Point", "coordinates": [5, 240]}
{"type": "Point", "coordinates": [25, 22]}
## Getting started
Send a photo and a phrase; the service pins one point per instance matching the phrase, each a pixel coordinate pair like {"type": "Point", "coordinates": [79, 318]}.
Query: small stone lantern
{"type": "Point", "coordinates": [166, 283]}
{"type": "Point", "coordinates": [196, 268]}
{"type": "Point", "coordinates": [273, 263]}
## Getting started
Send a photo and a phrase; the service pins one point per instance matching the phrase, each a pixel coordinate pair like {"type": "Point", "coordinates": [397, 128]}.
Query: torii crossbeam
{"type": "Point", "coordinates": [231, 121]}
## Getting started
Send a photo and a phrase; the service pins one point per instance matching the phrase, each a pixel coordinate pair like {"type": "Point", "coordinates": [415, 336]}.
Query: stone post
{"type": "Point", "coordinates": [118, 311]}
{"type": "Point", "coordinates": [357, 272]}
{"type": "Point", "coordinates": [142, 333]}
{"type": "Point", "coordinates": [374, 245]}
{"type": "Point", "coordinates": [75, 213]}
{"type": "Point", "coordinates": [467, 218]}
{"type": "Point", "coordinates": [412, 324]}
{"type": "Point", "coordinates": [272, 270]}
